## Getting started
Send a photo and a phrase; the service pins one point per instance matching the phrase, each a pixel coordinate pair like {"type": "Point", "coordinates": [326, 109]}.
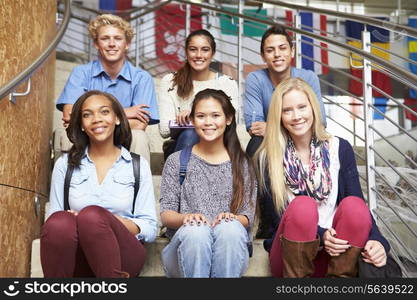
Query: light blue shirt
{"type": "Point", "coordinates": [131, 87]}
{"type": "Point", "coordinates": [259, 89]}
{"type": "Point", "coordinates": [115, 193]}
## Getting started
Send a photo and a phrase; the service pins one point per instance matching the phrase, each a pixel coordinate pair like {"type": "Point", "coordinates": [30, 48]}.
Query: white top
{"type": "Point", "coordinates": [169, 101]}
{"type": "Point", "coordinates": [327, 208]}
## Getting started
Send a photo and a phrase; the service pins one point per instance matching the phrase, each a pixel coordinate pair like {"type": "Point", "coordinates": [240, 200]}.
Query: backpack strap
{"type": "Point", "coordinates": [67, 181]}
{"type": "Point", "coordinates": [136, 173]}
{"type": "Point", "coordinates": [184, 159]}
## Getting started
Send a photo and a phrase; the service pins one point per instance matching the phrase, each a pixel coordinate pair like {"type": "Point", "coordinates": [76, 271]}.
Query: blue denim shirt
{"type": "Point", "coordinates": [115, 193]}
{"type": "Point", "coordinates": [131, 87]}
{"type": "Point", "coordinates": [259, 90]}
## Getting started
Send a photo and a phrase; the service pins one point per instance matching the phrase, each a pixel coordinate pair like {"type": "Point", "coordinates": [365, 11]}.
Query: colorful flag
{"type": "Point", "coordinates": [228, 24]}
{"type": "Point", "coordinates": [381, 104]}
{"type": "Point", "coordinates": [378, 34]}
{"type": "Point", "coordinates": [115, 5]}
{"type": "Point", "coordinates": [412, 50]}
{"type": "Point", "coordinates": [289, 20]}
{"type": "Point", "coordinates": [170, 33]}
{"type": "Point", "coordinates": [411, 103]}
{"type": "Point", "coordinates": [314, 22]}
{"type": "Point", "coordinates": [380, 39]}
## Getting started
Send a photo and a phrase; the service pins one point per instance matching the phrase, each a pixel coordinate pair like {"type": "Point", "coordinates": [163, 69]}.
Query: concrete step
{"type": "Point", "coordinates": [258, 263]}
{"type": "Point", "coordinates": [359, 155]}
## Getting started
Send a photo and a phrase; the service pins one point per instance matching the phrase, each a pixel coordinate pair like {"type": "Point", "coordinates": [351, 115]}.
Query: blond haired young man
{"type": "Point", "coordinates": [112, 73]}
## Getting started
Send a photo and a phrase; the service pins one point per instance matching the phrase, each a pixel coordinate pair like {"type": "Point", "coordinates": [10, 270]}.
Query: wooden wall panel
{"type": "Point", "coordinates": [27, 27]}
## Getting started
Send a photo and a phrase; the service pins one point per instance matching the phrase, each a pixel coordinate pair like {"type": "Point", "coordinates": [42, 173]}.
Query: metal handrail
{"type": "Point", "coordinates": [387, 203]}
{"type": "Point", "coordinates": [408, 60]}
{"type": "Point", "coordinates": [404, 247]}
{"type": "Point", "coordinates": [409, 159]}
{"type": "Point", "coordinates": [401, 177]}
{"type": "Point", "coordinates": [26, 73]}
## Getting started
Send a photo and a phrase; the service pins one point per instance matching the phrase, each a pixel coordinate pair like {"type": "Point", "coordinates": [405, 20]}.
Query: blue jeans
{"type": "Point", "coordinates": [187, 137]}
{"type": "Point", "coordinates": [205, 251]}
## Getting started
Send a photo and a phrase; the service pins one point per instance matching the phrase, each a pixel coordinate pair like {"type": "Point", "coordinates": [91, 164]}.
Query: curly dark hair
{"type": "Point", "coordinates": [80, 140]}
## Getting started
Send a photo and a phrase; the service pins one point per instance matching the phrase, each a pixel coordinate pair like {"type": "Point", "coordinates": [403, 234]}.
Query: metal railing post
{"type": "Point", "coordinates": [368, 118]}
{"type": "Point", "coordinates": [137, 43]}
{"type": "Point", "coordinates": [187, 19]}
{"type": "Point", "coordinates": [337, 19]}
{"type": "Point", "coordinates": [90, 46]}
{"type": "Point", "coordinates": [297, 22]}
{"type": "Point", "coordinates": [354, 131]}
{"type": "Point", "coordinates": [239, 61]}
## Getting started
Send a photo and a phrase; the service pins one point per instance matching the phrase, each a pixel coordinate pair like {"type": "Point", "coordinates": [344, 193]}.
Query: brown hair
{"type": "Point", "coordinates": [231, 141]}
{"type": "Point", "coordinates": [183, 78]}
{"type": "Point", "coordinates": [80, 140]}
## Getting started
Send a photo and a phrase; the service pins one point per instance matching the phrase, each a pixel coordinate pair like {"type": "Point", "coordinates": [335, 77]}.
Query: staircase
{"type": "Point", "coordinates": [387, 164]}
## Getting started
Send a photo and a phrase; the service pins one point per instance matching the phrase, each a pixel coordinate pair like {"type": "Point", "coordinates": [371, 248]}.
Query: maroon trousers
{"type": "Point", "coordinates": [352, 222]}
{"type": "Point", "coordinates": [92, 244]}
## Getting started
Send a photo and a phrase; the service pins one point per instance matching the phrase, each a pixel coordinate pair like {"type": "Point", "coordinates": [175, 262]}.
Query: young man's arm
{"type": "Point", "coordinates": [253, 108]}
{"type": "Point", "coordinates": [315, 84]}
{"type": "Point", "coordinates": [75, 86]}
{"type": "Point", "coordinates": [144, 104]}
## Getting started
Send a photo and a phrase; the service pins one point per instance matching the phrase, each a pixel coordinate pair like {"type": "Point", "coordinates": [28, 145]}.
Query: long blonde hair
{"type": "Point", "coordinates": [270, 155]}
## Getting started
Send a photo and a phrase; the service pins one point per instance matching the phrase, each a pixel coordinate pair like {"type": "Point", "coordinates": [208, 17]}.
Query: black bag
{"type": "Point", "coordinates": [168, 148]}
{"type": "Point", "coordinates": [390, 270]}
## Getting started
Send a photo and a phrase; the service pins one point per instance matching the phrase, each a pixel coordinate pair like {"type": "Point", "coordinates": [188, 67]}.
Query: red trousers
{"type": "Point", "coordinates": [92, 244]}
{"type": "Point", "coordinates": [352, 222]}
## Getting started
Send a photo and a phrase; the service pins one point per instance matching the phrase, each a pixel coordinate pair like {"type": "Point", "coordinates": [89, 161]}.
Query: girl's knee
{"type": "Point", "coordinates": [91, 216]}
{"type": "Point", "coordinates": [356, 210]}
{"type": "Point", "coordinates": [59, 223]}
{"type": "Point", "coordinates": [230, 231]}
{"type": "Point", "coordinates": [194, 234]}
{"type": "Point", "coordinates": [303, 212]}
{"type": "Point", "coordinates": [353, 204]}
{"type": "Point", "coordinates": [91, 212]}
{"type": "Point", "coordinates": [59, 228]}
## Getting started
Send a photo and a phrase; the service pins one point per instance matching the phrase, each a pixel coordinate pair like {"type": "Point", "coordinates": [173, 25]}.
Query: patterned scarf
{"type": "Point", "coordinates": [316, 182]}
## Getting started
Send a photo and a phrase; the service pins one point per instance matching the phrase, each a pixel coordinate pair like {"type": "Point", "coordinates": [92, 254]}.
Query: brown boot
{"type": "Point", "coordinates": [298, 257]}
{"type": "Point", "coordinates": [344, 265]}
{"type": "Point", "coordinates": [122, 274]}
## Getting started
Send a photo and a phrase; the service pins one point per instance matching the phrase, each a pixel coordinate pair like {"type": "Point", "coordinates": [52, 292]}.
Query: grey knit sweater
{"type": "Point", "coordinates": [207, 189]}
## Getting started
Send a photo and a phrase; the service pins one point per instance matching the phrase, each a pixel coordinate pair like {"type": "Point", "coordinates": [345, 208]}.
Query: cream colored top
{"type": "Point", "coordinates": [170, 103]}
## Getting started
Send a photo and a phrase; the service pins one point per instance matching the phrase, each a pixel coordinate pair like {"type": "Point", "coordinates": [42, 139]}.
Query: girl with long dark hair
{"type": "Point", "coordinates": [210, 215]}
{"type": "Point", "coordinates": [102, 233]}
{"type": "Point", "coordinates": [177, 90]}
